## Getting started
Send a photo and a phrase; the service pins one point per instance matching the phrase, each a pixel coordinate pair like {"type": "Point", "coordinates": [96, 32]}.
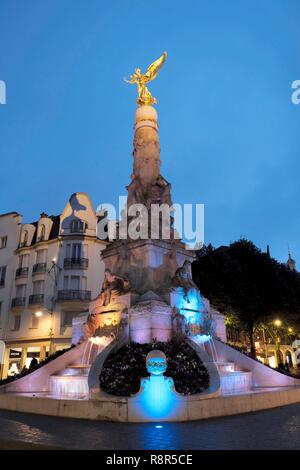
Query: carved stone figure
{"type": "Point", "coordinates": [158, 192]}
{"type": "Point", "coordinates": [183, 278]}
{"type": "Point", "coordinates": [90, 326]}
{"type": "Point", "coordinates": [112, 282]}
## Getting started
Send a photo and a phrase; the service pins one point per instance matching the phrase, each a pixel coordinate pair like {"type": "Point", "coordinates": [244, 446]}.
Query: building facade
{"type": "Point", "coordinates": [49, 271]}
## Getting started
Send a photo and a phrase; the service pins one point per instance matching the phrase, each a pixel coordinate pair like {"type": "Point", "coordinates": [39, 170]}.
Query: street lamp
{"type": "Point", "coordinates": [277, 323]}
{"type": "Point", "coordinates": [40, 313]}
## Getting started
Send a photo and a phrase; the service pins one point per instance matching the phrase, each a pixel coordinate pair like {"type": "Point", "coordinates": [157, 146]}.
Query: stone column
{"type": "Point", "coordinates": [43, 353]}
{"type": "Point", "coordinates": [147, 185]}
{"type": "Point", "coordinates": [23, 358]}
{"type": "Point", "coordinates": [5, 364]}
{"type": "Point", "coordinates": [146, 151]}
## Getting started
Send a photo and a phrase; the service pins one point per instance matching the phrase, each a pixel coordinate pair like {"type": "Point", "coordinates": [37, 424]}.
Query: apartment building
{"type": "Point", "coordinates": [50, 269]}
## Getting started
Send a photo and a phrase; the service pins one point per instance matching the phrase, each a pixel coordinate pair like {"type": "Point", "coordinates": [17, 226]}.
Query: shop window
{"type": "Point", "coordinates": [14, 361]}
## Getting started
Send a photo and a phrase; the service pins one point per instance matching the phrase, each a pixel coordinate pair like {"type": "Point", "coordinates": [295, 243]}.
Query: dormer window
{"type": "Point", "coordinates": [41, 233]}
{"type": "Point", "coordinates": [78, 226]}
{"type": "Point", "coordinates": [24, 238]}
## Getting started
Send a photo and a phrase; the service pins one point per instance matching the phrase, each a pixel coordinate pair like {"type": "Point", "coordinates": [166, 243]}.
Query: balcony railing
{"type": "Point", "coordinates": [22, 272]}
{"type": "Point", "coordinates": [18, 302]}
{"type": "Point", "coordinates": [39, 268]}
{"type": "Point", "coordinates": [70, 294]}
{"type": "Point", "coordinates": [76, 263]}
{"type": "Point", "coordinates": [36, 299]}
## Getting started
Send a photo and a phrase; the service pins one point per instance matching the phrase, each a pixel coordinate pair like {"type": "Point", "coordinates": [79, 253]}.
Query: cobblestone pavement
{"type": "Point", "coordinates": [272, 429]}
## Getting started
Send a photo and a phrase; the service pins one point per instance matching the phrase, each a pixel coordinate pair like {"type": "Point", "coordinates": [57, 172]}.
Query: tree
{"type": "Point", "coordinates": [250, 284]}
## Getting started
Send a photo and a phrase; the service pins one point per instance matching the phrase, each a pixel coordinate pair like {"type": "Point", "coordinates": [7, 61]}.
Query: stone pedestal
{"type": "Point", "coordinates": [150, 320]}
{"type": "Point", "coordinates": [148, 264]}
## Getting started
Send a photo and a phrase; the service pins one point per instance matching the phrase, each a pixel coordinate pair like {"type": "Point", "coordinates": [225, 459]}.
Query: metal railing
{"type": "Point", "coordinates": [70, 294]}
{"type": "Point", "coordinates": [39, 268]}
{"type": "Point", "coordinates": [18, 302]}
{"type": "Point", "coordinates": [36, 299]}
{"type": "Point", "coordinates": [22, 272]}
{"type": "Point", "coordinates": [76, 263]}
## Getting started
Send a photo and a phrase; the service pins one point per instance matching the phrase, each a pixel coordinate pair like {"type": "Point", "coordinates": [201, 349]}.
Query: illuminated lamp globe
{"type": "Point", "coordinates": [156, 362]}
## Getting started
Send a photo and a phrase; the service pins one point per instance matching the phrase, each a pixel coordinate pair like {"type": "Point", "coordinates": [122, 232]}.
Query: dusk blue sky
{"type": "Point", "coordinates": [229, 133]}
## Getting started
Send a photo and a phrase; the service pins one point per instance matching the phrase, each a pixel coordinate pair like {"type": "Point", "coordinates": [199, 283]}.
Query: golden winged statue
{"type": "Point", "coordinates": [145, 97]}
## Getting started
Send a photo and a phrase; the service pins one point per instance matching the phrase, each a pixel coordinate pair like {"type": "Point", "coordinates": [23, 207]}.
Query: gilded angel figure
{"type": "Point", "coordinates": [145, 97]}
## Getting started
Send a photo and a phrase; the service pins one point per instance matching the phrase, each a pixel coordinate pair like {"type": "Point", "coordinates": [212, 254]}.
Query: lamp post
{"type": "Point", "coordinates": [56, 270]}
{"type": "Point", "coordinates": [40, 313]}
{"type": "Point", "coordinates": [265, 345]}
{"type": "Point", "coordinates": [277, 323]}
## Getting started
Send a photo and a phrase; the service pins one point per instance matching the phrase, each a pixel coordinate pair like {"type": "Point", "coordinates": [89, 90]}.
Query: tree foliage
{"type": "Point", "coordinates": [248, 283]}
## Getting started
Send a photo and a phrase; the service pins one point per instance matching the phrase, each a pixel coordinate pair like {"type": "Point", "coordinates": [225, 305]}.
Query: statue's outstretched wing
{"type": "Point", "coordinates": [154, 68]}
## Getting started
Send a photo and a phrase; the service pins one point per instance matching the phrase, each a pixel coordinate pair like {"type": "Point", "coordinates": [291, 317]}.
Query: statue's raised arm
{"type": "Point", "coordinates": [145, 97]}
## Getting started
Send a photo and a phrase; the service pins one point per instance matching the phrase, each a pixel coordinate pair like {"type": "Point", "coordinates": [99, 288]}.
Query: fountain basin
{"type": "Point", "coordinates": [235, 382]}
{"type": "Point", "coordinates": [61, 385]}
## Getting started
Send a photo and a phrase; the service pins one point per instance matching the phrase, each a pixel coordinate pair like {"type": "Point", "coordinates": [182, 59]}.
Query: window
{"type": "Point", "coordinates": [41, 233]}
{"type": "Point", "coordinates": [3, 242]}
{"type": "Point", "coordinates": [76, 250]}
{"type": "Point", "coordinates": [23, 261]}
{"type": "Point", "coordinates": [24, 238]}
{"type": "Point", "coordinates": [78, 226]}
{"type": "Point", "coordinates": [67, 318]}
{"type": "Point", "coordinates": [20, 290]}
{"type": "Point", "coordinates": [66, 282]}
{"type": "Point", "coordinates": [34, 321]}
{"type": "Point", "coordinates": [17, 322]}
{"type": "Point", "coordinates": [75, 282]}
{"type": "Point", "coordinates": [2, 275]}
{"type": "Point", "coordinates": [38, 287]}
{"type": "Point", "coordinates": [41, 256]}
